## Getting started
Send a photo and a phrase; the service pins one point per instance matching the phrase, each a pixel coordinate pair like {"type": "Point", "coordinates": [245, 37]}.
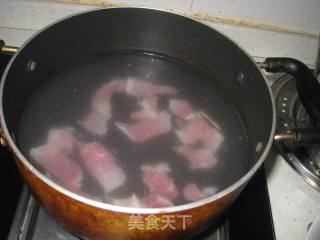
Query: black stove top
{"type": "Point", "coordinates": [248, 218]}
{"type": "Point", "coordinates": [10, 180]}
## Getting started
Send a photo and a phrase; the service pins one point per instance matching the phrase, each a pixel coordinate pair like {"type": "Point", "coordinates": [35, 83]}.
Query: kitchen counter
{"type": "Point", "coordinates": [294, 203]}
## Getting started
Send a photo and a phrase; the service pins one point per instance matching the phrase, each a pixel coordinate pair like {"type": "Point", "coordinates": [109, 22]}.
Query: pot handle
{"type": "Point", "coordinates": [309, 93]}
{"type": "Point", "coordinates": [306, 82]}
{"type": "Point", "coordinates": [7, 49]}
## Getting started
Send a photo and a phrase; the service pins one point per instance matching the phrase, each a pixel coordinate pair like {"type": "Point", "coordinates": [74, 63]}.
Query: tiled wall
{"type": "Point", "coordinates": [303, 14]}
{"type": "Point", "coordinates": [19, 19]}
{"type": "Point", "coordinates": [295, 14]}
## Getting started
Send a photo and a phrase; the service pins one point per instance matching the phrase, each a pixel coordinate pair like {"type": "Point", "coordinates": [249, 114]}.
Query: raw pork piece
{"type": "Point", "coordinates": [213, 139]}
{"type": "Point", "coordinates": [201, 158]}
{"type": "Point", "coordinates": [149, 102]}
{"type": "Point", "coordinates": [155, 200]}
{"type": "Point", "coordinates": [62, 138]}
{"type": "Point", "coordinates": [181, 108]}
{"type": "Point", "coordinates": [139, 88]}
{"type": "Point", "coordinates": [101, 98]}
{"type": "Point", "coordinates": [102, 165]}
{"type": "Point", "coordinates": [191, 192]}
{"type": "Point", "coordinates": [147, 128]}
{"type": "Point", "coordinates": [132, 201]}
{"type": "Point", "coordinates": [157, 178]}
{"type": "Point", "coordinates": [196, 129]}
{"type": "Point", "coordinates": [51, 158]}
{"type": "Point", "coordinates": [95, 123]}
{"type": "Point", "coordinates": [149, 109]}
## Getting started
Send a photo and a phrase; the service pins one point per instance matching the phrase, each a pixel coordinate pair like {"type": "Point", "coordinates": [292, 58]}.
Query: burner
{"type": "Point", "coordinates": [290, 115]}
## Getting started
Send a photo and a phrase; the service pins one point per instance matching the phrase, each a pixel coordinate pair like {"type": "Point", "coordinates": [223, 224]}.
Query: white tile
{"type": "Point", "coordinates": [264, 43]}
{"type": "Point", "coordinates": [34, 15]}
{"type": "Point", "coordinates": [177, 5]}
{"type": "Point", "coordinates": [294, 203]}
{"type": "Point", "coordinates": [15, 37]}
{"type": "Point", "coordinates": [293, 13]}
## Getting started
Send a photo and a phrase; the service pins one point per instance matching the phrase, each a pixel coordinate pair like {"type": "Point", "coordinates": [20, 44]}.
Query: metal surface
{"type": "Point", "coordinates": [24, 219]}
{"type": "Point", "coordinates": [262, 65]}
{"type": "Point", "coordinates": [3, 142]}
{"type": "Point", "coordinates": [9, 49]}
{"type": "Point", "coordinates": [38, 46]}
{"type": "Point", "coordinates": [4, 49]}
{"type": "Point", "coordinates": [291, 115]}
{"type": "Point", "coordinates": [239, 75]}
{"type": "Point", "coordinates": [31, 222]}
{"type": "Point", "coordinates": [285, 136]}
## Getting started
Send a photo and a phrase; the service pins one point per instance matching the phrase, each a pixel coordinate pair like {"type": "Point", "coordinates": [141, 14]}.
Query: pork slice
{"type": "Point", "coordinates": [146, 129]}
{"type": "Point", "coordinates": [155, 200]}
{"type": "Point", "coordinates": [213, 139]}
{"type": "Point", "coordinates": [95, 123]}
{"type": "Point", "coordinates": [157, 178]}
{"type": "Point", "coordinates": [181, 108]}
{"type": "Point", "coordinates": [132, 201]}
{"type": "Point", "coordinates": [149, 102]}
{"type": "Point", "coordinates": [57, 165]}
{"type": "Point", "coordinates": [192, 192]}
{"type": "Point", "coordinates": [101, 164]}
{"type": "Point", "coordinates": [201, 158]}
{"type": "Point", "coordinates": [101, 98]}
{"type": "Point", "coordinates": [196, 129]}
{"type": "Point", "coordinates": [144, 114]}
{"type": "Point", "coordinates": [63, 138]}
{"type": "Point", "coordinates": [140, 88]}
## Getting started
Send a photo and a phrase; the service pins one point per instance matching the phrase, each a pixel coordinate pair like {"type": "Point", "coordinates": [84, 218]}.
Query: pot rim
{"type": "Point", "coordinates": [130, 210]}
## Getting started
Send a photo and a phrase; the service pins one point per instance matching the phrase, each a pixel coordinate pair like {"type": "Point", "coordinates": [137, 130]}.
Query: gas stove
{"type": "Point", "coordinates": [290, 115]}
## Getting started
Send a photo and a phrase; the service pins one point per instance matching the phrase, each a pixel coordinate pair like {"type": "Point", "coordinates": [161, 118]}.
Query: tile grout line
{"type": "Point", "coordinates": [191, 5]}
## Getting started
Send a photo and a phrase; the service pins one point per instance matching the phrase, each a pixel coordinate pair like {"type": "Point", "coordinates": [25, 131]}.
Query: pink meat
{"type": "Point", "coordinates": [180, 108]}
{"type": "Point", "coordinates": [139, 88]}
{"type": "Point", "coordinates": [196, 129]}
{"type": "Point", "coordinates": [213, 139]}
{"type": "Point", "coordinates": [157, 178]}
{"type": "Point", "coordinates": [132, 201]}
{"type": "Point", "coordinates": [57, 165]}
{"type": "Point", "coordinates": [154, 200]}
{"type": "Point", "coordinates": [95, 123]}
{"type": "Point", "coordinates": [101, 98]}
{"type": "Point", "coordinates": [147, 128]}
{"type": "Point", "coordinates": [202, 158]}
{"type": "Point", "coordinates": [62, 138]}
{"type": "Point", "coordinates": [101, 164]}
{"type": "Point", "coordinates": [144, 114]}
{"type": "Point", "coordinates": [149, 102]}
{"type": "Point", "coordinates": [191, 192]}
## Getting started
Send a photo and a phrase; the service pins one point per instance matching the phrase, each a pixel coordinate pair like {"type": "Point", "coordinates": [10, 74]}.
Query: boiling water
{"type": "Point", "coordinates": [65, 97]}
